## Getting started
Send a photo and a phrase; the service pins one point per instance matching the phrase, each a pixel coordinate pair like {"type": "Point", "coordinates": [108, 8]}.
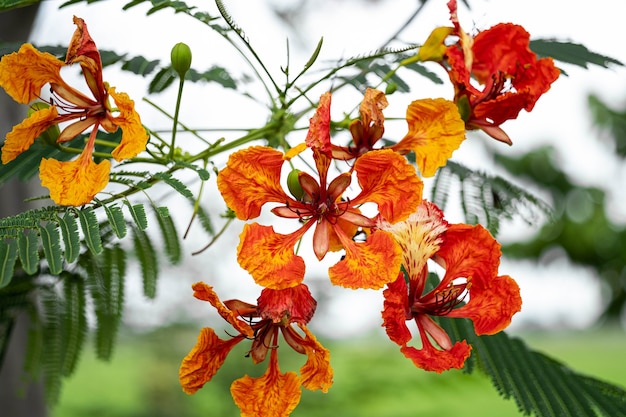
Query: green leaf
{"type": "Point", "coordinates": [163, 79]}
{"type": "Point", "coordinates": [51, 242]}
{"type": "Point", "coordinates": [138, 213]}
{"type": "Point", "coordinates": [174, 183]}
{"type": "Point", "coordinates": [215, 74]}
{"type": "Point", "coordinates": [170, 235]}
{"type": "Point", "coordinates": [91, 229]}
{"type": "Point", "coordinates": [75, 321]}
{"type": "Point", "coordinates": [140, 65]}
{"type": "Point", "coordinates": [14, 4]}
{"type": "Point", "coordinates": [28, 245]}
{"type": "Point", "coordinates": [71, 237]}
{"type": "Point", "coordinates": [571, 53]}
{"type": "Point", "coordinates": [539, 384]}
{"type": "Point", "coordinates": [8, 256]}
{"type": "Point", "coordinates": [116, 220]}
{"type": "Point", "coordinates": [52, 359]}
{"type": "Point", "coordinates": [144, 250]}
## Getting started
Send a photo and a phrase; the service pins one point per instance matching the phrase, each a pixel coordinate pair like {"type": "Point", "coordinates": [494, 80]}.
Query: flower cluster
{"type": "Point", "coordinates": [392, 248]}
{"type": "Point", "coordinates": [24, 73]}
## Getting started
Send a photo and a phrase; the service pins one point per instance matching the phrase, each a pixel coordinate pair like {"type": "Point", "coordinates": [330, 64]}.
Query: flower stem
{"type": "Point", "coordinates": [175, 128]}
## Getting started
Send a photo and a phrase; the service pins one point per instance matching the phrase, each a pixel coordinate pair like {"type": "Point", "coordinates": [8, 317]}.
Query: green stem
{"type": "Point", "coordinates": [175, 128]}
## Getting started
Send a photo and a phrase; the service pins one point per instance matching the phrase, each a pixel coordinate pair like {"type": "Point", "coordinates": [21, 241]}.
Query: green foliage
{"type": "Point", "coordinates": [28, 251]}
{"type": "Point", "coordinates": [613, 121]}
{"type": "Point", "coordinates": [146, 255]}
{"type": "Point", "coordinates": [8, 256]}
{"type": "Point", "coordinates": [71, 238]}
{"type": "Point", "coordinates": [571, 53]}
{"type": "Point", "coordinates": [13, 4]}
{"type": "Point", "coordinates": [51, 243]}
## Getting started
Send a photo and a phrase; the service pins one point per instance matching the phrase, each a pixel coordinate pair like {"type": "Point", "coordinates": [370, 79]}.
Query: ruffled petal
{"type": "Point", "coordinates": [316, 373]}
{"type": "Point", "coordinates": [388, 180]}
{"type": "Point", "coordinates": [272, 395]}
{"type": "Point", "coordinates": [24, 134]}
{"type": "Point", "coordinates": [436, 130]}
{"type": "Point", "coordinates": [318, 136]}
{"type": "Point", "coordinates": [134, 135]}
{"type": "Point", "coordinates": [492, 308]}
{"type": "Point", "coordinates": [25, 72]}
{"type": "Point", "coordinates": [269, 256]}
{"type": "Point", "coordinates": [395, 311]}
{"type": "Point", "coordinates": [205, 292]}
{"type": "Point", "coordinates": [370, 264]}
{"type": "Point", "coordinates": [204, 360]}
{"type": "Point", "coordinates": [252, 178]}
{"type": "Point", "coordinates": [432, 359]}
{"type": "Point", "coordinates": [76, 182]}
{"type": "Point", "coordinates": [295, 303]}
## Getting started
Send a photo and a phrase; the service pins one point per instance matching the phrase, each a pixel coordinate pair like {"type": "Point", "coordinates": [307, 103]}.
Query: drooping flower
{"type": "Point", "coordinates": [23, 74]}
{"type": "Point", "coordinates": [275, 393]}
{"type": "Point", "coordinates": [495, 74]}
{"type": "Point", "coordinates": [470, 256]}
{"type": "Point", "coordinates": [435, 131]}
{"type": "Point", "coordinates": [251, 179]}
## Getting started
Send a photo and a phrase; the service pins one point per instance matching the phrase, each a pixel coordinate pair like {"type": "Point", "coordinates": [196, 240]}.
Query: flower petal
{"type": "Point", "coordinates": [24, 134]}
{"type": "Point", "coordinates": [25, 72]}
{"type": "Point", "coordinates": [370, 264]}
{"type": "Point", "coordinates": [388, 180]}
{"type": "Point", "coordinates": [252, 178]}
{"type": "Point", "coordinates": [318, 136]}
{"type": "Point", "coordinates": [295, 303]}
{"type": "Point", "coordinates": [316, 373]}
{"type": "Point", "coordinates": [395, 311]}
{"type": "Point", "coordinates": [134, 135]}
{"type": "Point", "coordinates": [436, 130]}
{"type": "Point", "coordinates": [272, 395]}
{"type": "Point", "coordinates": [432, 359]}
{"type": "Point", "coordinates": [205, 292]}
{"type": "Point", "coordinates": [76, 182]}
{"type": "Point", "coordinates": [204, 360]}
{"type": "Point", "coordinates": [269, 256]}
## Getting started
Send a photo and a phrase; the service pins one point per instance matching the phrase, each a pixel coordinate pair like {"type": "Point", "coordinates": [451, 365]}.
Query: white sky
{"type": "Point", "coordinates": [351, 28]}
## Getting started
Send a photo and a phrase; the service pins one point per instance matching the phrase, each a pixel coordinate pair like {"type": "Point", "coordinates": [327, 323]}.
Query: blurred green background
{"type": "Point", "coordinates": [372, 378]}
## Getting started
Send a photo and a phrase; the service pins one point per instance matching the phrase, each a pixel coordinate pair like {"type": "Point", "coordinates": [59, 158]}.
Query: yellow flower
{"type": "Point", "coordinates": [23, 74]}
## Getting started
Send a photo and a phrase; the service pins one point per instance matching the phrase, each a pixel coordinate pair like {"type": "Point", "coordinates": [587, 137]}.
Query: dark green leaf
{"type": "Point", "coordinates": [14, 4]}
{"type": "Point", "coordinates": [28, 244]}
{"type": "Point", "coordinates": [71, 237]}
{"type": "Point", "coordinates": [144, 250]}
{"type": "Point", "coordinates": [214, 74]}
{"type": "Point", "coordinates": [75, 321]}
{"type": "Point", "coordinates": [138, 214]}
{"type": "Point", "coordinates": [51, 242]}
{"type": "Point", "coordinates": [116, 220]}
{"type": "Point", "coordinates": [570, 53]}
{"type": "Point", "coordinates": [163, 79]}
{"type": "Point", "coordinates": [140, 65]}
{"type": "Point", "coordinates": [8, 256]}
{"type": "Point", "coordinates": [170, 235]}
{"type": "Point", "coordinates": [174, 183]}
{"type": "Point", "coordinates": [91, 230]}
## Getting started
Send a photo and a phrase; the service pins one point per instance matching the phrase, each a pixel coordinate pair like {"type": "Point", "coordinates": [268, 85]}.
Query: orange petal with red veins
{"type": "Point", "coordinates": [24, 134]}
{"type": "Point", "coordinates": [370, 264]}
{"type": "Point", "coordinates": [388, 180]}
{"type": "Point", "coordinates": [74, 183]}
{"type": "Point", "coordinates": [316, 373]}
{"type": "Point", "coordinates": [436, 130]}
{"type": "Point", "coordinates": [134, 135]}
{"type": "Point", "coordinates": [491, 309]}
{"type": "Point", "coordinates": [432, 359]}
{"type": "Point", "coordinates": [204, 360]}
{"type": "Point", "coordinates": [25, 72]}
{"type": "Point", "coordinates": [295, 303]}
{"type": "Point", "coordinates": [269, 256]}
{"type": "Point", "coordinates": [252, 178]}
{"type": "Point", "coordinates": [395, 309]}
{"type": "Point", "coordinates": [205, 292]}
{"type": "Point", "coordinates": [318, 136]}
{"type": "Point", "coordinates": [372, 106]}
{"type": "Point", "coordinates": [274, 394]}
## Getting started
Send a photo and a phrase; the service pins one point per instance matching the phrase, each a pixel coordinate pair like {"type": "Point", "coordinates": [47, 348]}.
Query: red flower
{"type": "Point", "coordinates": [275, 393]}
{"type": "Point", "coordinates": [470, 256]}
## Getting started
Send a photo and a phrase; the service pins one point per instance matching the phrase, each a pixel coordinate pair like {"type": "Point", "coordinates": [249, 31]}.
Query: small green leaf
{"type": "Point", "coordinates": [71, 237]}
{"type": "Point", "coordinates": [8, 256]}
{"type": "Point", "coordinates": [51, 242]}
{"type": "Point", "coordinates": [163, 79]}
{"type": "Point", "coordinates": [14, 4]}
{"type": "Point", "coordinates": [116, 220]}
{"type": "Point", "coordinates": [140, 65]}
{"type": "Point", "coordinates": [148, 260]}
{"type": "Point", "coordinates": [91, 230]}
{"type": "Point", "coordinates": [28, 245]}
{"type": "Point", "coordinates": [570, 53]}
{"type": "Point", "coordinates": [174, 183]}
{"type": "Point", "coordinates": [138, 214]}
{"type": "Point", "coordinates": [170, 235]}
{"type": "Point", "coordinates": [75, 321]}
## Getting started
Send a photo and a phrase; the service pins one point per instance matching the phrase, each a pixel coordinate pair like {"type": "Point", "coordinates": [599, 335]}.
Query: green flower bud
{"type": "Point", "coordinates": [293, 183]}
{"type": "Point", "coordinates": [391, 88]}
{"type": "Point", "coordinates": [51, 134]}
{"type": "Point", "coordinates": [181, 58]}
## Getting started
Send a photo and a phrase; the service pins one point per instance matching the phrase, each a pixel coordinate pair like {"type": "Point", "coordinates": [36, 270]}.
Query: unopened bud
{"type": "Point", "coordinates": [293, 183]}
{"type": "Point", "coordinates": [181, 58]}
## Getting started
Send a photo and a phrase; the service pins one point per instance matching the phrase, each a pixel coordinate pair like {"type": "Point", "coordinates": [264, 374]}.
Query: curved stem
{"type": "Point", "coordinates": [181, 83]}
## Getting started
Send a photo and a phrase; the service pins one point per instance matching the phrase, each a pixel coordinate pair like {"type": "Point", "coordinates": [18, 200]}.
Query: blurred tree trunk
{"type": "Point", "coordinates": [19, 396]}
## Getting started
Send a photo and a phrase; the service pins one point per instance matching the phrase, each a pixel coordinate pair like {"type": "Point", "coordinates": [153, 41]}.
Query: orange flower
{"type": "Point", "coordinates": [275, 393]}
{"type": "Point", "coordinates": [470, 256]}
{"type": "Point", "coordinates": [499, 59]}
{"type": "Point", "coordinates": [252, 179]}
{"type": "Point", "coordinates": [23, 74]}
{"type": "Point", "coordinates": [435, 131]}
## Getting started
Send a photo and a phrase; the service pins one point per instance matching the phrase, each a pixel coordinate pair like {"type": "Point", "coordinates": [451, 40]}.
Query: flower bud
{"type": "Point", "coordinates": [391, 88]}
{"type": "Point", "coordinates": [293, 183]}
{"type": "Point", "coordinates": [181, 58]}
